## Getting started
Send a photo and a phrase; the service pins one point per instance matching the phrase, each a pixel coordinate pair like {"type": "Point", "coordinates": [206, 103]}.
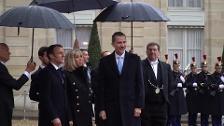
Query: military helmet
{"type": "Point", "coordinates": [193, 63]}
{"type": "Point", "coordinates": [176, 60]}
{"type": "Point", "coordinates": [219, 63]}
{"type": "Point", "coordinates": [204, 62]}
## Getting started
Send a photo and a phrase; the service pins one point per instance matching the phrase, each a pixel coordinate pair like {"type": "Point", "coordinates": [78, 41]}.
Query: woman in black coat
{"type": "Point", "coordinates": [79, 92]}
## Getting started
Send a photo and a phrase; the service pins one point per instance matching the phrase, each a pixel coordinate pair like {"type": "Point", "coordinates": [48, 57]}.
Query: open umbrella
{"type": "Point", "coordinates": [68, 6]}
{"type": "Point", "coordinates": [131, 12]}
{"type": "Point", "coordinates": [34, 17]}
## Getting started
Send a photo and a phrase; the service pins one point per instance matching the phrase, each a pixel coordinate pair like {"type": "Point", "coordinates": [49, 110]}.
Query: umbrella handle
{"type": "Point", "coordinates": [32, 44]}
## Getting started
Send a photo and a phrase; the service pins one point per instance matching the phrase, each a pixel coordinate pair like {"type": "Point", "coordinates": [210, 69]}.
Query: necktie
{"type": "Point", "coordinates": [88, 72]}
{"type": "Point", "coordinates": [60, 73]}
{"type": "Point", "coordinates": [119, 64]}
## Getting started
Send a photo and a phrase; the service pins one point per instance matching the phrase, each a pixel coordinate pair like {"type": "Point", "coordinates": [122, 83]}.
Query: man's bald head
{"type": "Point", "coordinates": [4, 52]}
{"type": "Point", "coordinates": [3, 45]}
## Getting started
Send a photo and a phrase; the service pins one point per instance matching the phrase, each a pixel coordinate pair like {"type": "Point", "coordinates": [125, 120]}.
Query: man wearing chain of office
{"type": "Point", "coordinates": [157, 79]}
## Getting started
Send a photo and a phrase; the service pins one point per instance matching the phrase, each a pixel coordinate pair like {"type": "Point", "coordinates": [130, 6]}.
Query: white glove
{"type": "Point", "coordinates": [179, 85]}
{"type": "Point", "coordinates": [195, 84]}
{"type": "Point", "coordinates": [182, 79]}
{"type": "Point", "coordinates": [221, 86]}
{"type": "Point", "coordinates": [222, 78]}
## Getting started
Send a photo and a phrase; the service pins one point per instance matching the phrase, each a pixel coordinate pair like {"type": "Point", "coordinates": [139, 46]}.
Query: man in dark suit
{"type": "Point", "coordinates": [8, 83]}
{"type": "Point", "coordinates": [157, 79]}
{"type": "Point", "coordinates": [34, 86]}
{"type": "Point", "coordinates": [120, 97]}
{"type": "Point", "coordinates": [53, 104]}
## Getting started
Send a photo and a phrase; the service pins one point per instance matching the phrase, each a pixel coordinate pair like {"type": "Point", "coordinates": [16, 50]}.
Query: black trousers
{"type": "Point", "coordinates": [5, 115]}
{"type": "Point", "coordinates": [154, 114]}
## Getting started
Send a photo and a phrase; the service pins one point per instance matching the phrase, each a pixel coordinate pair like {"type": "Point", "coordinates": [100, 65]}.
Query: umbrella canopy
{"type": "Point", "coordinates": [68, 6]}
{"type": "Point", "coordinates": [34, 17]}
{"type": "Point", "coordinates": [131, 12]}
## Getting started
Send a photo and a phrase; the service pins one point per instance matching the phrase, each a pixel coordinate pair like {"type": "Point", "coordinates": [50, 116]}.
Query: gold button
{"type": "Point", "coordinates": [77, 110]}
{"type": "Point", "coordinates": [77, 97]}
{"type": "Point", "coordinates": [76, 90]}
{"type": "Point", "coordinates": [77, 103]}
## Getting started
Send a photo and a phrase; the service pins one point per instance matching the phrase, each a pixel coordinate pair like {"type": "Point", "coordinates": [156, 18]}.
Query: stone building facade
{"type": "Point", "coordinates": [194, 29]}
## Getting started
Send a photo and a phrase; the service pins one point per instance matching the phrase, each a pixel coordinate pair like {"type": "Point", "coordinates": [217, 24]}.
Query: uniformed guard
{"type": "Point", "coordinates": [192, 94]}
{"type": "Point", "coordinates": [217, 93]}
{"type": "Point", "coordinates": [204, 80]}
{"type": "Point", "coordinates": [177, 105]}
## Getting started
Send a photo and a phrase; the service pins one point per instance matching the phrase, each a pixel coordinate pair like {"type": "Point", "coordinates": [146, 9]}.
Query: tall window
{"type": "Point", "coordinates": [64, 37]}
{"type": "Point", "coordinates": [185, 3]}
{"type": "Point", "coordinates": [187, 43]}
{"type": "Point", "coordinates": [83, 35]}
{"type": "Point", "coordinates": [175, 3]}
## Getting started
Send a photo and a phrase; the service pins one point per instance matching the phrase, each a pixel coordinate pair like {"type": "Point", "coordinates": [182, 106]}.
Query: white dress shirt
{"type": "Point", "coordinates": [2, 62]}
{"type": "Point", "coordinates": [55, 66]}
{"type": "Point", "coordinates": [154, 65]}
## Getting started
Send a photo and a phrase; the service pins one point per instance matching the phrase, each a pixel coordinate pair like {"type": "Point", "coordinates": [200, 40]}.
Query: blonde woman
{"type": "Point", "coordinates": [78, 89]}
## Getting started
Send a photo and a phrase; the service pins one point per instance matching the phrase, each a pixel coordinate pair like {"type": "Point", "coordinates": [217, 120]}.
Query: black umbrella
{"type": "Point", "coordinates": [34, 17]}
{"type": "Point", "coordinates": [68, 6]}
{"type": "Point", "coordinates": [131, 12]}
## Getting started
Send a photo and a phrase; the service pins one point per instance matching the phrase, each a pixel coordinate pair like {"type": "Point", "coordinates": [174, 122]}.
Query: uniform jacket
{"type": "Point", "coordinates": [204, 97]}
{"type": "Point", "coordinates": [192, 94]}
{"type": "Point", "coordinates": [217, 102]}
{"type": "Point", "coordinates": [178, 103]}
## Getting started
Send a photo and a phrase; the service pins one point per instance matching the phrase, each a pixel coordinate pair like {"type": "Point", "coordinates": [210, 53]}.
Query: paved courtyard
{"type": "Point", "coordinates": [32, 123]}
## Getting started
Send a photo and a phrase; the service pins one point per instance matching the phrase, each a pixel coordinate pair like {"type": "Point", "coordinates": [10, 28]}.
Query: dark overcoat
{"type": "Point", "coordinates": [80, 96]}
{"type": "Point", "coordinates": [35, 86]}
{"type": "Point", "coordinates": [119, 94]}
{"type": "Point", "coordinates": [53, 97]}
{"type": "Point", "coordinates": [178, 104]}
{"type": "Point", "coordinates": [7, 84]}
{"type": "Point", "coordinates": [217, 101]}
{"type": "Point", "coordinates": [204, 80]}
{"type": "Point", "coordinates": [192, 94]}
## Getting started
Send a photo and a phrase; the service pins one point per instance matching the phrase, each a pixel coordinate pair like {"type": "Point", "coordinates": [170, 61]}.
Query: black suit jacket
{"type": "Point", "coordinates": [53, 97]}
{"type": "Point", "coordinates": [120, 94]}
{"type": "Point", "coordinates": [35, 86]}
{"type": "Point", "coordinates": [7, 84]}
{"type": "Point", "coordinates": [167, 79]}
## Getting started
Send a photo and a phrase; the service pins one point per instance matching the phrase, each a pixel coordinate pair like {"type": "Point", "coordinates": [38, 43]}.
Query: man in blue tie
{"type": "Point", "coordinates": [121, 90]}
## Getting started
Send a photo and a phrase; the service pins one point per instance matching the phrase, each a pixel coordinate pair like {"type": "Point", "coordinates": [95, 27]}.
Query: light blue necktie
{"type": "Point", "coordinates": [119, 64]}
